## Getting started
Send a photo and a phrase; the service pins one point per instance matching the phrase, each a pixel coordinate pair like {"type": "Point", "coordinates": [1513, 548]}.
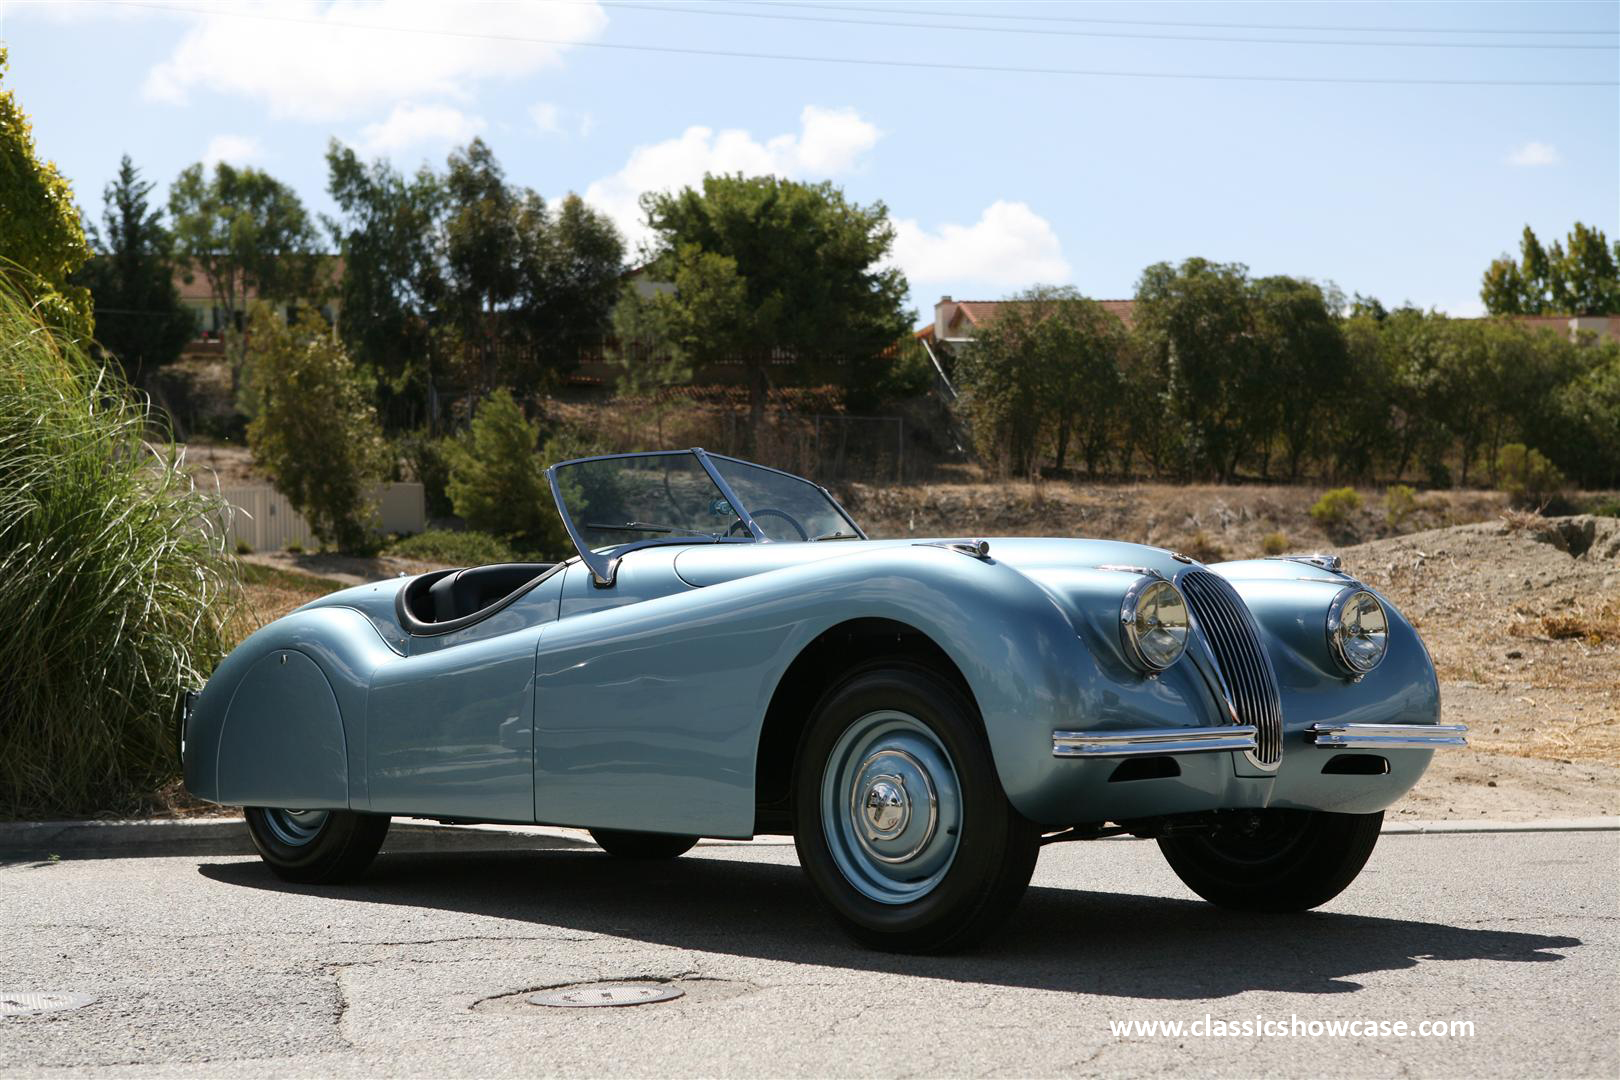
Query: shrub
{"type": "Point", "coordinates": [1527, 477]}
{"type": "Point", "coordinates": [1336, 509]}
{"type": "Point", "coordinates": [468, 548]}
{"type": "Point", "coordinates": [1603, 506]}
{"type": "Point", "coordinates": [244, 548]}
{"type": "Point", "coordinates": [1274, 543]}
{"type": "Point", "coordinates": [316, 430]}
{"type": "Point", "coordinates": [428, 464]}
{"type": "Point", "coordinates": [498, 480]}
{"type": "Point", "coordinates": [1400, 503]}
{"type": "Point", "coordinates": [117, 581]}
{"type": "Point", "coordinates": [294, 548]}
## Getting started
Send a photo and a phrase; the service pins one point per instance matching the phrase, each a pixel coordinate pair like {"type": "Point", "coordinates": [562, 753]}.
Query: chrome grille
{"type": "Point", "coordinates": [1235, 640]}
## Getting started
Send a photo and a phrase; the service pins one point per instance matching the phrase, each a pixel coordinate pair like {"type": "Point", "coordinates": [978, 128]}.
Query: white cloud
{"type": "Point", "coordinates": [1010, 246]}
{"type": "Point", "coordinates": [829, 142]}
{"type": "Point", "coordinates": [1535, 153]}
{"type": "Point", "coordinates": [322, 61]}
{"type": "Point", "coordinates": [410, 124]}
{"type": "Point", "coordinates": [547, 117]}
{"type": "Point", "coordinates": [232, 149]}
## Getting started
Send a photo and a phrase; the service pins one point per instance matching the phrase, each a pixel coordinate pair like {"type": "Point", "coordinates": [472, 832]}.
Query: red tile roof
{"type": "Point", "coordinates": [984, 312]}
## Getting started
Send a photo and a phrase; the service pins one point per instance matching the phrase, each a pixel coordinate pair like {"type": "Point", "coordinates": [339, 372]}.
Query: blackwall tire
{"type": "Point", "coordinates": [1275, 860]}
{"type": "Point", "coordinates": [902, 825]}
{"type": "Point", "coordinates": [316, 847]}
{"type": "Point", "coordinates": [625, 844]}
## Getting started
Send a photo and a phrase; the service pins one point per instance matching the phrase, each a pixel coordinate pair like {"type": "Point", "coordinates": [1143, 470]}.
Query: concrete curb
{"type": "Point", "coordinates": [24, 840]}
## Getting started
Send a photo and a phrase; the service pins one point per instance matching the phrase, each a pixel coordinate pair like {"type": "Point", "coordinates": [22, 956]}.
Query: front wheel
{"type": "Point", "coordinates": [1275, 860]}
{"type": "Point", "coordinates": [903, 827]}
{"type": "Point", "coordinates": [316, 847]}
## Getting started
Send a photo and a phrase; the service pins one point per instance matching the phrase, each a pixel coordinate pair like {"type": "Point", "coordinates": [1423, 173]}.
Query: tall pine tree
{"type": "Point", "coordinates": [139, 317]}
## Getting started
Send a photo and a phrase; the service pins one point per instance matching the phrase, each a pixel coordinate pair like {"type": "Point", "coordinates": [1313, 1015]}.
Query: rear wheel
{"type": "Point", "coordinates": [626, 844]}
{"type": "Point", "coordinates": [903, 827]}
{"type": "Point", "coordinates": [316, 847]}
{"type": "Point", "coordinates": [1275, 860]}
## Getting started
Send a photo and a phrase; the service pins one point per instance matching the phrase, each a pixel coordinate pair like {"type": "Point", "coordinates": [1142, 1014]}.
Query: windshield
{"type": "Point", "coordinates": [686, 497]}
{"type": "Point", "coordinates": [628, 499]}
{"type": "Point", "coordinates": [784, 506]}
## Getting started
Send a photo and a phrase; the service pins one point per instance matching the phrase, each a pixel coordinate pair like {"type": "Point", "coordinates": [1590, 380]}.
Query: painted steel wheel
{"type": "Point", "coordinates": [902, 825]}
{"type": "Point", "coordinates": [891, 807]}
{"type": "Point", "coordinates": [295, 828]}
{"type": "Point", "coordinates": [1274, 860]}
{"type": "Point", "coordinates": [316, 847]}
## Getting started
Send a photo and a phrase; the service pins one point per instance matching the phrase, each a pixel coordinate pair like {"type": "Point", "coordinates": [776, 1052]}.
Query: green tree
{"type": "Point", "coordinates": [766, 268]}
{"type": "Point", "coordinates": [1586, 274]}
{"type": "Point", "coordinates": [648, 359]}
{"type": "Point", "coordinates": [139, 317]}
{"type": "Point", "coordinates": [1580, 431]}
{"type": "Point", "coordinates": [249, 236]}
{"type": "Point", "coordinates": [394, 288]}
{"type": "Point", "coordinates": [1197, 323]}
{"type": "Point", "coordinates": [471, 267]}
{"type": "Point", "coordinates": [498, 478]}
{"type": "Point", "coordinates": [316, 432]}
{"type": "Point", "coordinates": [570, 261]}
{"type": "Point", "coordinates": [1046, 373]}
{"type": "Point", "coordinates": [1304, 354]}
{"type": "Point", "coordinates": [482, 248]}
{"type": "Point", "coordinates": [42, 241]}
{"type": "Point", "coordinates": [1580, 276]}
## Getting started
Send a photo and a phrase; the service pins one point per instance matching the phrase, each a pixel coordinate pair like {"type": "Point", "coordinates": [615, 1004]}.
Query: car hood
{"type": "Point", "coordinates": [1035, 557]}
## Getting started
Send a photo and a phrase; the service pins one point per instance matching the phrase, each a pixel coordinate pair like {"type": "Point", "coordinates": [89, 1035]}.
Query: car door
{"type": "Point", "coordinates": [450, 728]}
{"type": "Point", "coordinates": [648, 705]}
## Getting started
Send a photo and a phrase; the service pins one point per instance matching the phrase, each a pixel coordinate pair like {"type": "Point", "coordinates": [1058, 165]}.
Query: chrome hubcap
{"type": "Point", "coordinates": [295, 828]}
{"type": "Point", "coordinates": [891, 807]}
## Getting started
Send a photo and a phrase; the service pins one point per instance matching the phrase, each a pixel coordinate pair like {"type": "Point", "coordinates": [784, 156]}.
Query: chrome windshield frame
{"type": "Point", "coordinates": [604, 567]}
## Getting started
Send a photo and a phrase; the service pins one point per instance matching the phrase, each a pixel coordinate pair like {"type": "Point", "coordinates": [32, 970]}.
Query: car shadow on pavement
{"type": "Point", "coordinates": [1058, 939]}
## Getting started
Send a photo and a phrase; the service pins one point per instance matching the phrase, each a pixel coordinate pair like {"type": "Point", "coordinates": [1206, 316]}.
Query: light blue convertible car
{"type": "Point", "coordinates": [729, 655]}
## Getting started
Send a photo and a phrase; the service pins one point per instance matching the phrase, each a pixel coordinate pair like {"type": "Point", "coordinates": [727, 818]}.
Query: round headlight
{"type": "Point", "coordinates": [1357, 630]}
{"type": "Point", "coordinates": [1154, 620]}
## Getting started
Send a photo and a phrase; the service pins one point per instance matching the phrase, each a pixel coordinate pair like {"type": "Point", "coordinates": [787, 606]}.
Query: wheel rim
{"type": "Point", "coordinates": [295, 828]}
{"type": "Point", "coordinates": [891, 807]}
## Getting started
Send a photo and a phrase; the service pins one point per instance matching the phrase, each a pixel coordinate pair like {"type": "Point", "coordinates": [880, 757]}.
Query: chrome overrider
{"type": "Point", "coordinates": [1387, 736]}
{"type": "Point", "coordinates": [1152, 741]}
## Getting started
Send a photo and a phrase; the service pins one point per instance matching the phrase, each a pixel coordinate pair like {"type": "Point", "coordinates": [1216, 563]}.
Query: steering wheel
{"type": "Point", "coordinates": [770, 511]}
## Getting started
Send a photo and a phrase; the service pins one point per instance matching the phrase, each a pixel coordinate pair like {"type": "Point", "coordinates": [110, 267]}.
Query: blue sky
{"type": "Point", "coordinates": [997, 179]}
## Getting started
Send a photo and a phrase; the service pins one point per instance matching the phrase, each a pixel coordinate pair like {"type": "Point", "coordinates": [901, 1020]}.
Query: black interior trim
{"type": "Point", "coordinates": [419, 596]}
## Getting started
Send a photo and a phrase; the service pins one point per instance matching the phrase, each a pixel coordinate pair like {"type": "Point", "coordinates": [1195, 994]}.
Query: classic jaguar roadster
{"type": "Point", "coordinates": [728, 655]}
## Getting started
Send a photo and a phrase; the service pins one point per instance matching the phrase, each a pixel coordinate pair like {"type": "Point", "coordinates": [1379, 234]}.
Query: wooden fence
{"type": "Point", "coordinates": [262, 518]}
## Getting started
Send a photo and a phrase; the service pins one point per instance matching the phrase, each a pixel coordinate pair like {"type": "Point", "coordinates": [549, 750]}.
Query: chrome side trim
{"type": "Point", "coordinates": [1152, 741]}
{"type": "Point", "coordinates": [1387, 736]}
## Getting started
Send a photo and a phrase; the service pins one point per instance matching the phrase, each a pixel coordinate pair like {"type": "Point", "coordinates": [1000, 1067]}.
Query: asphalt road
{"type": "Point", "coordinates": [205, 965]}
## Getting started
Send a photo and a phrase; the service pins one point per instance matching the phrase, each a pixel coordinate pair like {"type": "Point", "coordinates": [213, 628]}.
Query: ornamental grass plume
{"type": "Point", "coordinates": [113, 579]}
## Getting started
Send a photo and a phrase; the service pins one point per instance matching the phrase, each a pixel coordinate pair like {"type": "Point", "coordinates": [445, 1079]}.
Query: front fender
{"type": "Point", "coordinates": [652, 712]}
{"type": "Point", "coordinates": [281, 721]}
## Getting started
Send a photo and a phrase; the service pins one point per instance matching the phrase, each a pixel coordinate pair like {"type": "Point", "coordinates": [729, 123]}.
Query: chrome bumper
{"type": "Point", "coordinates": [1152, 741]}
{"type": "Point", "coordinates": [1387, 736]}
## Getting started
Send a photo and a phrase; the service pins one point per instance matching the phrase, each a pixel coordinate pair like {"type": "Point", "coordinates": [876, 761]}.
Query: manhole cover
{"type": "Point", "coordinates": [29, 1003]}
{"type": "Point", "coordinates": [600, 994]}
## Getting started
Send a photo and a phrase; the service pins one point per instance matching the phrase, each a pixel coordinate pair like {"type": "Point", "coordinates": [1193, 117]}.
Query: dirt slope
{"type": "Point", "coordinates": [1522, 617]}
